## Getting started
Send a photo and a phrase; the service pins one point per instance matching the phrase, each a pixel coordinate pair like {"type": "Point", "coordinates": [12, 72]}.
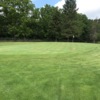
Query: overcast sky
{"type": "Point", "coordinates": [89, 7]}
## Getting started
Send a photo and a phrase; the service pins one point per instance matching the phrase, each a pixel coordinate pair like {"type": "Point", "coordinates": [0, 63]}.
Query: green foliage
{"type": "Point", "coordinates": [69, 20]}
{"type": "Point", "coordinates": [83, 28]}
{"type": "Point", "coordinates": [69, 9]}
{"type": "Point", "coordinates": [95, 30]}
{"type": "Point", "coordinates": [56, 25]}
{"type": "Point", "coordinates": [16, 16]}
{"type": "Point", "coordinates": [21, 20]}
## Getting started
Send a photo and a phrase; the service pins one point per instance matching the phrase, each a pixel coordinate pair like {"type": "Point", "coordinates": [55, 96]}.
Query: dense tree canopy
{"type": "Point", "coordinates": [22, 20]}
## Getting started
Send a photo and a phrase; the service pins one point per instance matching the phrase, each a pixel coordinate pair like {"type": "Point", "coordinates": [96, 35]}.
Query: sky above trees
{"type": "Point", "coordinates": [89, 7]}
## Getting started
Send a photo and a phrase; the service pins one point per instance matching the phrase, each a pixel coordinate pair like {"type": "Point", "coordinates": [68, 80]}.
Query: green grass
{"type": "Point", "coordinates": [49, 71]}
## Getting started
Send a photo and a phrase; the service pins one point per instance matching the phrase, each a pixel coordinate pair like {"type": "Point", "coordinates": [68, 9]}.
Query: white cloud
{"type": "Point", "coordinates": [1, 8]}
{"type": "Point", "coordinates": [89, 7]}
{"type": "Point", "coordinates": [60, 4]}
{"type": "Point", "coordinates": [1, 13]}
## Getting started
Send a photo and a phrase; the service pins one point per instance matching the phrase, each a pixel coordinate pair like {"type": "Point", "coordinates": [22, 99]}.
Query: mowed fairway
{"type": "Point", "coordinates": [49, 71]}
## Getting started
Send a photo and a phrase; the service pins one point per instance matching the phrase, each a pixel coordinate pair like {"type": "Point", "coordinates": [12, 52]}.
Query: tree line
{"type": "Point", "coordinates": [22, 20]}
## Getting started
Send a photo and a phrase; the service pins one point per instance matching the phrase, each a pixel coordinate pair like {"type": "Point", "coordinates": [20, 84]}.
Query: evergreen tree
{"type": "Point", "coordinates": [69, 19]}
